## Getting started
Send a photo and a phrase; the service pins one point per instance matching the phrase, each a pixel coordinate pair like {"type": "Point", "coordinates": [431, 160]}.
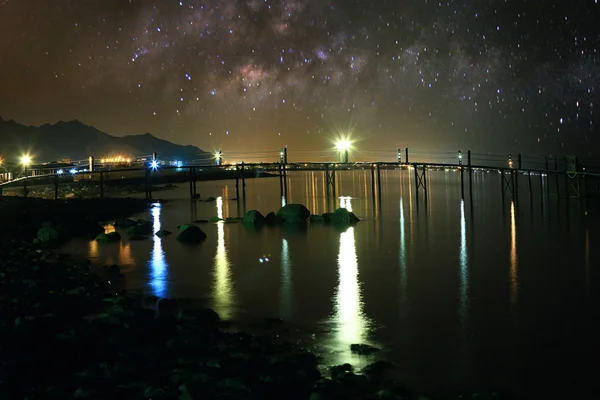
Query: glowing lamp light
{"type": "Point", "coordinates": [154, 164]}
{"type": "Point", "coordinates": [60, 172]}
{"type": "Point", "coordinates": [26, 159]}
{"type": "Point", "coordinates": [217, 155]}
{"type": "Point", "coordinates": [342, 145]}
{"type": "Point", "coordinates": [73, 171]}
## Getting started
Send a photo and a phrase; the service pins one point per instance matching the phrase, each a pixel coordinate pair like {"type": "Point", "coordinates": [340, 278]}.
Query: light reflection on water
{"type": "Point", "coordinates": [514, 294]}
{"type": "Point", "coordinates": [349, 323]}
{"type": "Point", "coordinates": [223, 287]}
{"type": "Point", "coordinates": [443, 292]}
{"type": "Point", "coordinates": [464, 269]}
{"type": "Point", "coordinates": [158, 263]}
{"type": "Point", "coordinates": [286, 280]}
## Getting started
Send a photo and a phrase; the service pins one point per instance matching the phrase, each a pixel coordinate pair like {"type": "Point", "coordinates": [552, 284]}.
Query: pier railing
{"type": "Point", "coordinates": [104, 180]}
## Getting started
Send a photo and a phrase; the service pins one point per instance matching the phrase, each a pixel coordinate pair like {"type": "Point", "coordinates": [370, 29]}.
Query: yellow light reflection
{"type": "Point", "coordinates": [223, 288]}
{"type": "Point", "coordinates": [350, 321]}
{"type": "Point", "coordinates": [93, 250]}
{"type": "Point", "coordinates": [158, 263]}
{"type": "Point", "coordinates": [402, 257]}
{"type": "Point", "coordinates": [125, 257]}
{"type": "Point", "coordinates": [286, 280]}
{"type": "Point", "coordinates": [464, 270]}
{"type": "Point", "coordinates": [513, 255]}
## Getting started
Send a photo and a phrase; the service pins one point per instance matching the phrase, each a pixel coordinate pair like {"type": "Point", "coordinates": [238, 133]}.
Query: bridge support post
{"type": "Point", "coordinates": [420, 180]}
{"type": "Point", "coordinates": [101, 184]}
{"type": "Point", "coordinates": [191, 176]}
{"type": "Point", "coordinates": [470, 175]}
{"type": "Point", "coordinates": [406, 155]}
{"type": "Point", "coordinates": [567, 191]}
{"type": "Point", "coordinates": [194, 180]}
{"type": "Point", "coordinates": [556, 177]}
{"type": "Point", "coordinates": [529, 179]}
{"type": "Point", "coordinates": [547, 176]}
{"type": "Point", "coordinates": [462, 182]}
{"type": "Point", "coordinates": [502, 185]}
{"type": "Point", "coordinates": [56, 183]}
{"type": "Point", "coordinates": [280, 169]}
{"type": "Point", "coordinates": [379, 179]}
{"type": "Point", "coordinates": [330, 178]}
{"type": "Point", "coordinates": [515, 186]}
{"type": "Point", "coordinates": [373, 180]}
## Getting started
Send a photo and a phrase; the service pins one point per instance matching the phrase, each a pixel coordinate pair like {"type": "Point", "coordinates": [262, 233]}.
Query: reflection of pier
{"type": "Point", "coordinates": [223, 288]}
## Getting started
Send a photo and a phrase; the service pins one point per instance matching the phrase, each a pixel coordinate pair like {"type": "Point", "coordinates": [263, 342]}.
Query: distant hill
{"type": "Point", "coordinates": [77, 141]}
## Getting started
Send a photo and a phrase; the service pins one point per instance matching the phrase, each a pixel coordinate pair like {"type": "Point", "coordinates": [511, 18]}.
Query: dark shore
{"type": "Point", "coordinates": [68, 334]}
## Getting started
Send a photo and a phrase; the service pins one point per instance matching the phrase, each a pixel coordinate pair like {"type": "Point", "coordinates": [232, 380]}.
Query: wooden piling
{"type": "Point", "coordinates": [379, 179]}
{"type": "Point", "coordinates": [101, 184]}
{"type": "Point", "coordinates": [56, 183]}
{"type": "Point", "coordinates": [462, 183]}
{"type": "Point", "coordinates": [416, 182]}
{"type": "Point", "coordinates": [191, 176]}
{"type": "Point", "coordinates": [373, 180]}
{"type": "Point", "coordinates": [556, 177]}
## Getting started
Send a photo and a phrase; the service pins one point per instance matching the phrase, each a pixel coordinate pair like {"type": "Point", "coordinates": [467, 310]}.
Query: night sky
{"type": "Point", "coordinates": [487, 75]}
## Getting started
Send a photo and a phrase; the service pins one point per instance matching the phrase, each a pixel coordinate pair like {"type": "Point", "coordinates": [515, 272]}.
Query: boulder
{"type": "Point", "coordinates": [215, 219]}
{"type": "Point", "coordinates": [293, 213]}
{"type": "Point", "coordinates": [144, 227]}
{"type": "Point", "coordinates": [191, 234]}
{"type": "Point", "coordinates": [272, 219]}
{"type": "Point", "coordinates": [363, 349]}
{"type": "Point", "coordinates": [327, 217]}
{"type": "Point", "coordinates": [162, 233]}
{"type": "Point", "coordinates": [253, 217]}
{"type": "Point", "coordinates": [317, 219]}
{"type": "Point", "coordinates": [108, 237]}
{"type": "Point", "coordinates": [342, 216]}
{"type": "Point", "coordinates": [125, 223]}
{"type": "Point", "coordinates": [47, 234]}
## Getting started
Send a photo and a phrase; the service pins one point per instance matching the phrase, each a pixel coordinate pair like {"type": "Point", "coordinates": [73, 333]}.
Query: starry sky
{"type": "Point", "coordinates": [256, 75]}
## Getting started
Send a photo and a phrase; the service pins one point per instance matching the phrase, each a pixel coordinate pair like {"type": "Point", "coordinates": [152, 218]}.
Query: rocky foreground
{"type": "Point", "coordinates": [67, 334]}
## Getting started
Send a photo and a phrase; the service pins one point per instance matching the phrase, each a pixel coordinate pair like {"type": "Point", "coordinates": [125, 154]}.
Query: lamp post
{"type": "Point", "coordinates": [25, 160]}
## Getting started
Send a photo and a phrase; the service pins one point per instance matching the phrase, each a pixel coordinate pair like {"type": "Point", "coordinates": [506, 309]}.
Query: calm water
{"type": "Point", "coordinates": [459, 295]}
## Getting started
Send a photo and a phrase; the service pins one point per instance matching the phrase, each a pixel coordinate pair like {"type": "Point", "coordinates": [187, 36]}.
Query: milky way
{"type": "Point", "coordinates": [256, 75]}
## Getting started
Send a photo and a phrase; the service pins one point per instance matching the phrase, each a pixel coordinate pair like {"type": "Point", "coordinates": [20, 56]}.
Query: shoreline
{"type": "Point", "coordinates": [70, 334]}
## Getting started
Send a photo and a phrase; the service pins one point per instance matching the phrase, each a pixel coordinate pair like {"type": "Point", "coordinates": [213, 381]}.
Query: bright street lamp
{"type": "Point", "coordinates": [343, 147]}
{"type": "Point", "coordinates": [26, 160]}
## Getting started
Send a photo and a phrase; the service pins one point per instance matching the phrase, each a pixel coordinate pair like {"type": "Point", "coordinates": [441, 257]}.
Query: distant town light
{"type": "Point", "coordinates": [60, 172]}
{"type": "Point", "coordinates": [73, 171]}
{"type": "Point", "coordinates": [154, 164]}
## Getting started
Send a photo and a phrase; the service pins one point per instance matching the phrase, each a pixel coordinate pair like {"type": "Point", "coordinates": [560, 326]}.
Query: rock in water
{"type": "Point", "coordinates": [108, 237]}
{"type": "Point", "coordinates": [342, 216]}
{"type": "Point", "coordinates": [317, 219]}
{"type": "Point", "coordinates": [272, 219]}
{"type": "Point", "coordinates": [125, 223]}
{"type": "Point", "coordinates": [253, 217]}
{"type": "Point", "coordinates": [215, 219]}
{"type": "Point", "coordinates": [144, 227]}
{"type": "Point", "coordinates": [47, 234]}
{"type": "Point", "coordinates": [191, 234]}
{"type": "Point", "coordinates": [162, 233]}
{"type": "Point", "coordinates": [293, 213]}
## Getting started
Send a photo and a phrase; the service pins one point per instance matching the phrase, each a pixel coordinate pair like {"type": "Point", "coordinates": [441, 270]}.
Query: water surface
{"type": "Point", "coordinates": [460, 294]}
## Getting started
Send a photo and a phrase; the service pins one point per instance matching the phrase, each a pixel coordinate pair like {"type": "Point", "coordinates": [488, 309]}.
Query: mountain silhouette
{"type": "Point", "coordinates": [77, 141]}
